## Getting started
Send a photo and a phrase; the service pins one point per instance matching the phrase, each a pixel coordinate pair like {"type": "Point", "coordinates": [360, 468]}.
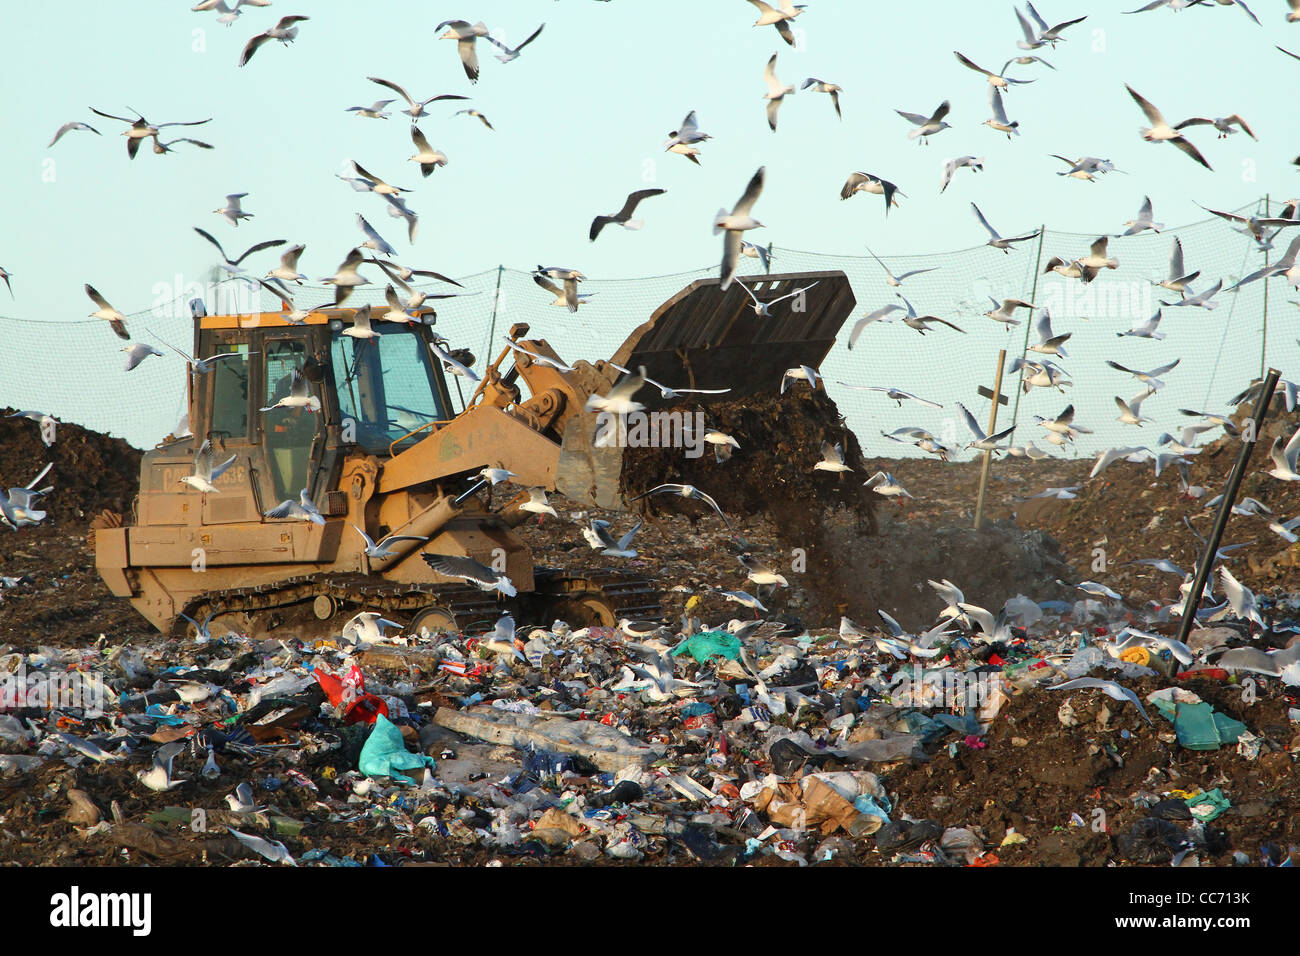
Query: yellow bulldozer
{"type": "Point", "coordinates": [382, 450]}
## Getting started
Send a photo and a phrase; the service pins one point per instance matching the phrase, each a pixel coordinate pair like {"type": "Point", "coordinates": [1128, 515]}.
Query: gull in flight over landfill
{"type": "Point", "coordinates": [982, 441]}
{"type": "Point", "coordinates": [664, 390]}
{"type": "Point", "coordinates": [876, 316]}
{"type": "Point", "coordinates": [509, 53]}
{"type": "Point", "coordinates": [897, 280]}
{"type": "Point", "coordinates": [1147, 330]}
{"type": "Point", "coordinates": [1284, 459]}
{"type": "Point", "coordinates": [735, 224]}
{"type": "Point", "coordinates": [860, 182]}
{"type": "Point", "coordinates": [1161, 131]}
{"type": "Point", "coordinates": [414, 108]}
{"type": "Point", "coordinates": [821, 86]}
{"type": "Point", "coordinates": [381, 550]}
{"type": "Point", "coordinates": [1143, 220]}
{"type": "Point", "coordinates": [776, 92]}
{"type": "Point", "coordinates": [897, 394]}
{"type": "Point", "coordinates": [141, 129]}
{"type": "Point", "coordinates": [624, 216]}
{"type": "Point", "coordinates": [998, 121]}
{"type": "Point", "coordinates": [114, 318]}
{"type": "Point", "coordinates": [284, 31]}
{"type": "Point", "coordinates": [1048, 343]}
{"type": "Point", "coordinates": [764, 308]}
{"type": "Point", "coordinates": [832, 458]}
{"type": "Point", "coordinates": [886, 485]}
{"type": "Point", "coordinates": [778, 16]}
{"type": "Point", "coordinates": [1151, 378]}
{"type": "Point", "coordinates": [465, 34]}
{"type": "Point", "coordinates": [995, 240]}
{"type": "Point", "coordinates": [927, 126]}
{"type": "Point", "coordinates": [1179, 279]}
{"type": "Point", "coordinates": [69, 127]}
{"type": "Point", "coordinates": [997, 80]}
{"type": "Point", "coordinates": [1003, 311]}
{"type": "Point", "coordinates": [951, 166]}
{"type": "Point", "coordinates": [682, 140]}
{"type": "Point", "coordinates": [922, 322]}
{"type": "Point", "coordinates": [232, 212]}
{"type": "Point", "coordinates": [1109, 687]}
{"type": "Point", "coordinates": [618, 400]}
{"type": "Point", "coordinates": [686, 491]}
{"type": "Point", "coordinates": [230, 265]}
{"type": "Point", "coordinates": [299, 396]}
{"type": "Point", "coordinates": [304, 509]}
{"type": "Point", "coordinates": [1046, 34]}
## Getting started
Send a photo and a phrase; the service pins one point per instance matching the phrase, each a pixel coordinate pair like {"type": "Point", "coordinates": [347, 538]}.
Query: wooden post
{"type": "Point", "coordinates": [997, 397]}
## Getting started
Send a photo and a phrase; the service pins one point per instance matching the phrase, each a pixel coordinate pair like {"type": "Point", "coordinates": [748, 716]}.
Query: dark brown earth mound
{"type": "Point", "coordinates": [91, 471]}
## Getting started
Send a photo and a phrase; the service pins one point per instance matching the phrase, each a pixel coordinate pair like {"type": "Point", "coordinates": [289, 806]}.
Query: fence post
{"type": "Point", "coordinates": [1263, 345]}
{"type": "Point", "coordinates": [1029, 323]}
{"type": "Point", "coordinates": [496, 300]}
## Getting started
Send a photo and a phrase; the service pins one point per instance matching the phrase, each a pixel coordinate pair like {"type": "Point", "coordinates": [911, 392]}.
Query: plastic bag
{"type": "Point", "coordinates": [385, 753]}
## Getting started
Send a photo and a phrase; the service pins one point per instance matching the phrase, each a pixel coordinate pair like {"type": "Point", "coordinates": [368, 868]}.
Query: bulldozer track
{"type": "Point", "coordinates": [627, 595]}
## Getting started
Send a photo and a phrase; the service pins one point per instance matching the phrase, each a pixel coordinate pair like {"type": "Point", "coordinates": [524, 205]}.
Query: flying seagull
{"type": "Point", "coordinates": [921, 322]}
{"type": "Point", "coordinates": [414, 108]}
{"type": "Point", "coordinates": [686, 491]}
{"type": "Point", "coordinates": [982, 441]}
{"type": "Point", "coordinates": [735, 223]}
{"type": "Point", "coordinates": [951, 166]}
{"type": "Point", "coordinates": [465, 34]}
{"type": "Point", "coordinates": [1143, 220]}
{"type": "Point", "coordinates": [866, 320]}
{"type": "Point", "coordinates": [821, 86]}
{"type": "Point", "coordinates": [381, 550]}
{"type": "Point", "coordinates": [69, 127]}
{"type": "Point", "coordinates": [995, 240]}
{"type": "Point", "coordinates": [1109, 687]}
{"type": "Point", "coordinates": [995, 79]}
{"type": "Point", "coordinates": [897, 394]}
{"type": "Point", "coordinates": [1224, 124]}
{"type": "Point", "coordinates": [114, 318]}
{"type": "Point", "coordinates": [897, 280]}
{"type": "Point", "coordinates": [867, 183]}
{"type": "Point", "coordinates": [206, 470]}
{"type": "Point", "coordinates": [998, 121]}
{"type": "Point", "coordinates": [1161, 131]}
{"type": "Point", "coordinates": [284, 31]}
{"type": "Point", "coordinates": [778, 16]}
{"type": "Point", "coordinates": [927, 126]}
{"type": "Point", "coordinates": [141, 129]}
{"type": "Point", "coordinates": [304, 509]}
{"type": "Point", "coordinates": [624, 216]}
{"type": "Point", "coordinates": [232, 265]}
{"type": "Point", "coordinates": [776, 91]}
{"type": "Point", "coordinates": [509, 53]}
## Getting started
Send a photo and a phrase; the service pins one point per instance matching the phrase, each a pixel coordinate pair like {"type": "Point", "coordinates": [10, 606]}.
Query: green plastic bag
{"type": "Point", "coordinates": [1207, 806]}
{"type": "Point", "coordinates": [1200, 726]}
{"type": "Point", "coordinates": [385, 753]}
{"type": "Point", "coordinates": [709, 644]}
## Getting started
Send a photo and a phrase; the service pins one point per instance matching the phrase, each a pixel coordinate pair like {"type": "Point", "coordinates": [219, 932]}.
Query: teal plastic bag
{"type": "Point", "coordinates": [385, 753]}
{"type": "Point", "coordinates": [709, 644]}
{"type": "Point", "coordinates": [1200, 726]}
{"type": "Point", "coordinates": [1207, 806]}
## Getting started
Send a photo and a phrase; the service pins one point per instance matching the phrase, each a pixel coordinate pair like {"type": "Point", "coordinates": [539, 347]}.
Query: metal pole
{"type": "Point", "coordinates": [1225, 506]}
{"type": "Point", "coordinates": [496, 300]}
{"type": "Point", "coordinates": [1038, 261]}
{"type": "Point", "coordinates": [1263, 346]}
{"type": "Point", "coordinates": [993, 427]}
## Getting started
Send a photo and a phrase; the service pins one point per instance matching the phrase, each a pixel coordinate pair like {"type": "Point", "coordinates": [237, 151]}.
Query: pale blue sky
{"type": "Point", "coordinates": [580, 121]}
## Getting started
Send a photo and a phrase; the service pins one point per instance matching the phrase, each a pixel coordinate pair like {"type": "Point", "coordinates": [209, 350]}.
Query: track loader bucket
{"type": "Point", "coordinates": [703, 337]}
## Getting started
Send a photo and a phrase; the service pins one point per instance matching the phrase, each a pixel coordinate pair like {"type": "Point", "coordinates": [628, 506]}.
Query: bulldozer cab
{"type": "Point", "coordinates": [374, 394]}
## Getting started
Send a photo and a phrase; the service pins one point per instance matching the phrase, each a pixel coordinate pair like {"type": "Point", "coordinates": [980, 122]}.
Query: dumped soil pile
{"type": "Point", "coordinates": [1131, 514]}
{"type": "Point", "coordinates": [1035, 773]}
{"type": "Point", "coordinates": [780, 438]}
{"type": "Point", "coordinates": [91, 471]}
{"type": "Point", "coordinates": [64, 602]}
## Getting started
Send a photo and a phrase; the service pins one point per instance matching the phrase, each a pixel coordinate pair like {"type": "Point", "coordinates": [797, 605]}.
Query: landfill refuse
{"type": "Point", "coordinates": [713, 737]}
